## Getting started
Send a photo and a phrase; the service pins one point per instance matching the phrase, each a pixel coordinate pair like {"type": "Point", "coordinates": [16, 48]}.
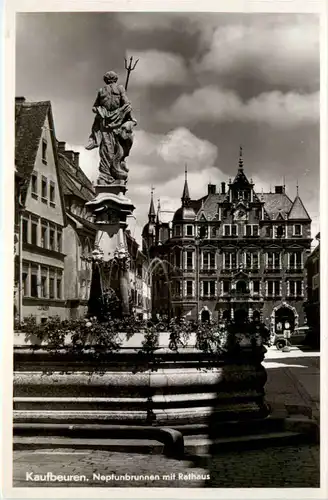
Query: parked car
{"type": "Point", "coordinates": [297, 337]}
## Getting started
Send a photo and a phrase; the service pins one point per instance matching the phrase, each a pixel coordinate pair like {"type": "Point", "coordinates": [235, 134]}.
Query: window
{"type": "Point", "coordinates": [273, 260]}
{"type": "Point", "coordinates": [213, 232]}
{"type": "Point", "coordinates": [189, 260]}
{"type": "Point", "coordinates": [297, 230]}
{"type": "Point", "coordinates": [251, 260]}
{"type": "Point", "coordinates": [25, 231]}
{"type": "Point", "coordinates": [226, 286]}
{"type": "Point", "coordinates": [44, 234]}
{"type": "Point", "coordinates": [257, 213]}
{"type": "Point", "coordinates": [230, 260]}
{"type": "Point", "coordinates": [34, 185]}
{"type": "Point", "coordinates": [251, 230]}
{"type": "Point", "coordinates": [34, 282]}
{"type": "Point", "coordinates": [280, 231]}
{"type": "Point", "coordinates": [44, 151]}
{"type": "Point", "coordinates": [44, 191]}
{"type": "Point", "coordinates": [208, 288]}
{"type": "Point", "coordinates": [177, 230]}
{"type": "Point", "coordinates": [268, 232]}
{"type": "Point", "coordinates": [273, 288]}
{"type": "Point", "coordinates": [256, 287]}
{"type": "Point", "coordinates": [178, 259]}
{"type": "Point", "coordinates": [189, 287]}
{"type": "Point", "coordinates": [209, 260]}
{"type": "Point", "coordinates": [25, 283]}
{"type": "Point", "coordinates": [190, 230]}
{"type": "Point", "coordinates": [203, 231]}
{"type": "Point", "coordinates": [59, 285]}
{"type": "Point", "coordinates": [178, 288]}
{"type": "Point", "coordinates": [52, 193]}
{"type": "Point", "coordinates": [295, 260]}
{"type": "Point", "coordinates": [52, 239]}
{"type": "Point", "coordinates": [230, 230]}
{"type": "Point", "coordinates": [295, 288]}
{"type": "Point", "coordinates": [52, 287]}
{"type": "Point", "coordinates": [59, 240]}
{"type": "Point", "coordinates": [34, 233]}
{"type": "Point", "coordinates": [44, 283]}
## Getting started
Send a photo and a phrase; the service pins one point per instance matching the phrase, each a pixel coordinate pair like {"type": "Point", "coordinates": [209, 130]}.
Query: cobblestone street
{"type": "Point", "coordinates": [293, 378]}
{"type": "Point", "coordinates": [270, 468]}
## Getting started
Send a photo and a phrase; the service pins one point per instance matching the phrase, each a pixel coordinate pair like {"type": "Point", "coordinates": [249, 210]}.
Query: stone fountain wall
{"type": "Point", "coordinates": [172, 389]}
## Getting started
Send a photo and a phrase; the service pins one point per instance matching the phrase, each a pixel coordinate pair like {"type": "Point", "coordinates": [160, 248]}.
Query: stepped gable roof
{"type": "Point", "coordinates": [29, 120]}
{"type": "Point", "coordinates": [74, 180]}
{"type": "Point", "coordinates": [298, 210]}
{"type": "Point", "coordinates": [275, 203]}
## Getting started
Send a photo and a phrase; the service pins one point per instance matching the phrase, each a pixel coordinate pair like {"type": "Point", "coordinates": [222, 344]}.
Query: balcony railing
{"type": "Point", "coordinates": [206, 270]}
{"type": "Point", "coordinates": [295, 269]}
{"type": "Point", "coordinates": [208, 297]}
{"type": "Point", "coordinates": [273, 296]}
{"type": "Point", "coordinates": [272, 269]}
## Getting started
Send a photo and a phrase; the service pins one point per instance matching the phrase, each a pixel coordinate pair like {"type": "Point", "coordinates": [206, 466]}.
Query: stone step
{"type": "Point", "coordinates": [144, 446]}
{"type": "Point", "coordinates": [202, 445]}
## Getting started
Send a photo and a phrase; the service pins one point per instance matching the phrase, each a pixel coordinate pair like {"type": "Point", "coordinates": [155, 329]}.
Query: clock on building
{"type": "Point", "coordinates": [240, 214]}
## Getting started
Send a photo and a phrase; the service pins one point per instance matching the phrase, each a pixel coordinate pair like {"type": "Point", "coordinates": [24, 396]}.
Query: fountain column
{"type": "Point", "coordinates": [111, 208]}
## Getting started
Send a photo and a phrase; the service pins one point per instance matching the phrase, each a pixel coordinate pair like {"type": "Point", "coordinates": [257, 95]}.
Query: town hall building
{"type": "Point", "coordinates": [232, 249]}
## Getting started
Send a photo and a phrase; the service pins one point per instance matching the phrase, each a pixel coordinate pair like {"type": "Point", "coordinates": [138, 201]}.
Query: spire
{"type": "Point", "coordinates": [158, 210]}
{"type": "Point", "coordinates": [185, 195]}
{"type": "Point", "coordinates": [151, 213]}
{"type": "Point", "coordinates": [241, 161]}
{"type": "Point", "coordinates": [297, 187]}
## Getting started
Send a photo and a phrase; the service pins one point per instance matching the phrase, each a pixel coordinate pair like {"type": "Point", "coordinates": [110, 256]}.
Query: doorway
{"type": "Point", "coordinates": [205, 316]}
{"type": "Point", "coordinates": [283, 316]}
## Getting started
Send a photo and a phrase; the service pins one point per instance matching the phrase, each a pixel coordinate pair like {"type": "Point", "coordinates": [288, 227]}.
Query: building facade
{"type": "Point", "coordinates": [79, 233]}
{"type": "Point", "coordinates": [312, 305]}
{"type": "Point", "coordinates": [40, 215]}
{"type": "Point", "coordinates": [233, 249]}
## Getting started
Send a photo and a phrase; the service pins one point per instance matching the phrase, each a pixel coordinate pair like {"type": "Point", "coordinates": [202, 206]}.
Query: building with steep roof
{"type": "Point", "coordinates": [80, 231]}
{"type": "Point", "coordinates": [40, 213]}
{"type": "Point", "coordinates": [234, 248]}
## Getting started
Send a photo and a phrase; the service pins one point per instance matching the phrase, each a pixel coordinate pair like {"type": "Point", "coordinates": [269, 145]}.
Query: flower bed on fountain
{"type": "Point", "coordinates": [125, 371]}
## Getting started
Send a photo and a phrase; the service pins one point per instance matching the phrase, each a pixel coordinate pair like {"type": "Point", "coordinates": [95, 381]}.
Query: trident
{"type": "Point", "coordinates": [129, 68]}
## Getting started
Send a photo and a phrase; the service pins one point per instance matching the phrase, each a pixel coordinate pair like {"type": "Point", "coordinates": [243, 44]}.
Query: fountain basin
{"type": "Point", "coordinates": [169, 388]}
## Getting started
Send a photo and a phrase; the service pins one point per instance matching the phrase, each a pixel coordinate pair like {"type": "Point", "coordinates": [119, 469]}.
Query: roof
{"type": "Point", "coordinates": [275, 203]}
{"type": "Point", "coordinates": [298, 210]}
{"type": "Point", "coordinates": [74, 181]}
{"type": "Point", "coordinates": [29, 120]}
{"type": "Point", "coordinates": [82, 221]}
{"type": "Point", "coordinates": [29, 123]}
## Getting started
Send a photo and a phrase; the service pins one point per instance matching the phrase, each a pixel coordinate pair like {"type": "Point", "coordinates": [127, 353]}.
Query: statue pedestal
{"type": "Point", "coordinates": [111, 208]}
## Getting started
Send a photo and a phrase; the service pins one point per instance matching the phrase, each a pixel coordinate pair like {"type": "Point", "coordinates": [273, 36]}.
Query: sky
{"type": "Point", "coordinates": [205, 84]}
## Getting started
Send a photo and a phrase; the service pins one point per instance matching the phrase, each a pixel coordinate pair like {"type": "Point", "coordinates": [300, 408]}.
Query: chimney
{"type": "Point", "coordinates": [77, 159]}
{"type": "Point", "coordinates": [61, 145]}
{"type": "Point", "coordinates": [70, 156]}
{"type": "Point", "coordinates": [223, 188]}
{"type": "Point", "coordinates": [279, 189]}
{"type": "Point", "coordinates": [19, 100]}
{"type": "Point", "coordinates": [211, 189]}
